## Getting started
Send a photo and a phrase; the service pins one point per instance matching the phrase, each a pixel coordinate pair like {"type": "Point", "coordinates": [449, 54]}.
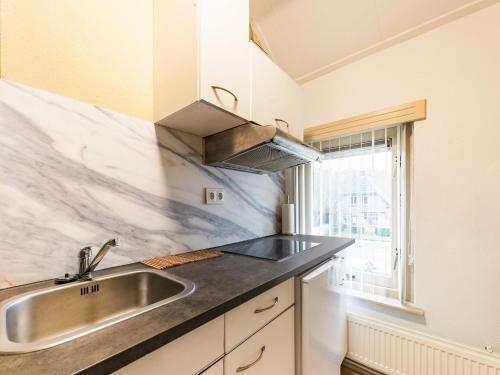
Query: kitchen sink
{"type": "Point", "coordinates": [50, 316]}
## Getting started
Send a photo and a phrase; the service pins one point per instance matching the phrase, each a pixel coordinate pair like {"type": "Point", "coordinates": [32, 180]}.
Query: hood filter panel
{"type": "Point", "coordinates": [266, 158]}
{"type": "Point", "coordinates": [257, 149]}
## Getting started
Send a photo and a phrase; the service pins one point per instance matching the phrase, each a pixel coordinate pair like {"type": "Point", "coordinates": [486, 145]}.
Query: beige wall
{"type": "Point", "coordinates": [109, 49]}
{"type": "Point", "coordinates": [457, 165]}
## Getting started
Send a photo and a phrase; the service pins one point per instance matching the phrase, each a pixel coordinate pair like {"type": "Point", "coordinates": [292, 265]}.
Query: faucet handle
{"type": "Point", "coordinates": [85, 254]}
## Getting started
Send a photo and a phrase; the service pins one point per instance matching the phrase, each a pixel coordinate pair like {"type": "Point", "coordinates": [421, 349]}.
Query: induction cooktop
{"type": "Point", "coordinates": [271, 248]}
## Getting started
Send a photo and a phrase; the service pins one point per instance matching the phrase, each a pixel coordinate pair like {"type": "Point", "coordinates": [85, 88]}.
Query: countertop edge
{"type": "Point", "coordinates": [122, 359]}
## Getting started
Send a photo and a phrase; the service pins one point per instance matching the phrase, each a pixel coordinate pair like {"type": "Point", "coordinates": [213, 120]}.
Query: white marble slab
{"type": "Point", "coordinates": [72, 174]}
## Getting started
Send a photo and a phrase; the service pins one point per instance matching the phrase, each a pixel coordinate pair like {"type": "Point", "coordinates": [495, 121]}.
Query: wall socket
{"type": "Point", "coordinates": [214, 196]}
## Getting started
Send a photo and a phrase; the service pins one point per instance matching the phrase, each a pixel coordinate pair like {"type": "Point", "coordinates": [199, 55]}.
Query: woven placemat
{"type": "Point", "coordinates": [160, 263]}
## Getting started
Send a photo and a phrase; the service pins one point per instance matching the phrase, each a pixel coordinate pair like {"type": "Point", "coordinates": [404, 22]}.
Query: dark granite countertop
{"type": "Point", "coordinates": [221, 284]}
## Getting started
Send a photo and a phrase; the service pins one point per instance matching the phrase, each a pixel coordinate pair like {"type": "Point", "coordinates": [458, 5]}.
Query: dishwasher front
{"type": "Point", "coordinates": [321, 323]}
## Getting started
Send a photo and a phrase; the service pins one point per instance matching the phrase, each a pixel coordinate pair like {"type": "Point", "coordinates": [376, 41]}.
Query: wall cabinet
{"type": "Point", "coordinates": [225, 54]}
{"type": "Point", "coordinates": [270, 351]}
{"type": "Point", "coordinates": [276, 98]}
{"type": "Point", "coordinates": [213, 67]}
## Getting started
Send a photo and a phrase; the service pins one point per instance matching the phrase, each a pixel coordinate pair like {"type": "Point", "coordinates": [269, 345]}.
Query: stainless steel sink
{"type": "Point", "coordinates": [50, 316]}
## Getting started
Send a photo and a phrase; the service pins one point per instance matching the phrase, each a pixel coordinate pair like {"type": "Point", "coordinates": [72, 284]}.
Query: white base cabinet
{"type": "Point", "coordinates": [246, 319]}
{"type": "Point", "coordinates": [270, 351]}
{"type": "Point", "coordinates": [216, 369]}
{"type": "Point", "coordinates": [264, 328]}
{"type": "Point", "coordinates": [188, 355]}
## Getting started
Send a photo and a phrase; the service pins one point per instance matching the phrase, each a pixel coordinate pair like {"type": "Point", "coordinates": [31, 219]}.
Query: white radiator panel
{"type": "Point", "coordinates": [394, 350]}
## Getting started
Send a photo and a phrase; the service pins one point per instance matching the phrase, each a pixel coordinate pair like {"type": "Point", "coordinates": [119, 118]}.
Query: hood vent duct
{"type": "Point", "coordinates": [257, 149]}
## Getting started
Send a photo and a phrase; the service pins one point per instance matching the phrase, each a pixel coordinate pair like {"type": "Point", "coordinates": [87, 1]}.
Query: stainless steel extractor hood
{"type": "Point", "coordinates": [257, 149]}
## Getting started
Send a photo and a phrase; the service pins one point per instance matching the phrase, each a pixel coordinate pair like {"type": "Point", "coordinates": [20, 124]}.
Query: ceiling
{"type": "Point", "coordinates": [308, 38]}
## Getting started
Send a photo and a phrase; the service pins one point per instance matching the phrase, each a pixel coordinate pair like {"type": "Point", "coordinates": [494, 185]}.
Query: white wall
{"type": "Point", "coordinates": [456, 67]}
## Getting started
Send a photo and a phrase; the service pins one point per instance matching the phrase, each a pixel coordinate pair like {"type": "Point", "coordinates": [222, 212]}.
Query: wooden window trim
{"type": "Point", "coordinates": [408, 112]}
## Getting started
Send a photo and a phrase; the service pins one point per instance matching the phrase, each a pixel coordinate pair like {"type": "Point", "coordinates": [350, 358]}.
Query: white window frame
{"type": "Point", "coordinates": [400, 211]}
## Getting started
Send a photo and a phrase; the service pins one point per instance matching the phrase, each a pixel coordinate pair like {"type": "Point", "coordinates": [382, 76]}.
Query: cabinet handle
{"type": "Point", "coordinates": [258, 311]}
{"type": "Point", "coordinates": [246, 367]}
{"type": "Point", "coordinates": [215, 88]}
{"type": "Point", "coordinates": [278, 120]}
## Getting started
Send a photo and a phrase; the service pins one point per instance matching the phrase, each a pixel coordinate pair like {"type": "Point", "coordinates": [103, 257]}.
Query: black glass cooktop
{"type": "Point", "coordinates": [271, 248]}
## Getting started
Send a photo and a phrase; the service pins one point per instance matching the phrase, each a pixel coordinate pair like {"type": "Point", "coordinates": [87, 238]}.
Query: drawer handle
{"type": "Point", "coordinates": [246, 367]}
{"type": "Point", "coordinates": [215, 88]}
{"type": "Point", "coordinates": [278, 120]}
{"type": "Point", "coordinates": [258, 311]}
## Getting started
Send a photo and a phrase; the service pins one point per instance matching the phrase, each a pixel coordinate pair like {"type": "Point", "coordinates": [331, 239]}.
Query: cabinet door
{"type": "Point", "coordinates": [216, 369]}
{"type": "Point", "coordinates": [276, 97]}
{"type": "Point", "coordinates": [225, 55]}
{"type": "Point", "coordinates": [177, 357]}
{"type": "Point", "coordinates": [269, 351]}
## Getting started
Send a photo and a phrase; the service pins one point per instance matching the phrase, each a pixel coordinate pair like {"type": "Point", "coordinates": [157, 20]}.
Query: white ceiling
{"type": "Point", "coordinates": [308, 36]}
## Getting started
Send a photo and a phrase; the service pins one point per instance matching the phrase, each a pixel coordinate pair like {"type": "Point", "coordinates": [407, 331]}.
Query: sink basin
{"type": "Point", "coordinates": [47, 317]}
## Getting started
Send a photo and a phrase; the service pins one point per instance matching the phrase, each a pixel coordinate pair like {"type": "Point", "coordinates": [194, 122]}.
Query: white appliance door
{"type": "Point", "coordinates": [324, 323]}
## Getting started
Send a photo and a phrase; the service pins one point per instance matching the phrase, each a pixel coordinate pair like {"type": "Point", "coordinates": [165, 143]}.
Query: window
{"type": "Point", "coordinates": [365, 199]}
{"type": "Point", "coordinates": [363, 179]}
{"type": "Point", "coordinates": [354, 200]}
{"type": "Point", "coordinates": [372, 219]}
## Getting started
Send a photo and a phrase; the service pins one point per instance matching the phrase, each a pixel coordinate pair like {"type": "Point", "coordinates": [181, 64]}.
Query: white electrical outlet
{"type": "Point", "coordinates": [214, 196]}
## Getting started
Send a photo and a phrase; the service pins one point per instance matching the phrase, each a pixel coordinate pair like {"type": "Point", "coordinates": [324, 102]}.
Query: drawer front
{"type": "Point", "coordinates": [269, 351]}
{"type": "Point", "coordinates": [248, 318]}
{"type": "Point", "coordinates": [177, 357]}
{"type": "Point", "coordinates": [216, 369]}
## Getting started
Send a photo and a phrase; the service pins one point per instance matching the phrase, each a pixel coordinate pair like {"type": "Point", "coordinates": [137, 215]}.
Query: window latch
{"type": "Point", "coordinates": [396, 258]}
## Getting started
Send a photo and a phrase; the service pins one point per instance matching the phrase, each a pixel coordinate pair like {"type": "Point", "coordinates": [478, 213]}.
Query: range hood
{"type": "Point", "coordinates": [257, 149]}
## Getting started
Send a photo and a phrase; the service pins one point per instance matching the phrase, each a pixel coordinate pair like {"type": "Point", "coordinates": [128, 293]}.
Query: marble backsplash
{"type": "Point", "coordinates": [72, 174]}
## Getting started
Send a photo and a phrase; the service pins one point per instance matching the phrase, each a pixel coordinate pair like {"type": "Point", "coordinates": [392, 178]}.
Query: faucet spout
{"type": "Point", "coordinates": [86, 272]}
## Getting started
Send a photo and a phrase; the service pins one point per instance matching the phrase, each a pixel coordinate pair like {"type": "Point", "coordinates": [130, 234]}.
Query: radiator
{"type": "Point", "coordinates": [395, 350]}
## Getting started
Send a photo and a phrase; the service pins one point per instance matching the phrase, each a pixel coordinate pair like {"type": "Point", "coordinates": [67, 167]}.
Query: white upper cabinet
{"type": "Point", "coordinates": [276, 97]}
{"type": "Point", "coordinates": [225, 55]}
{"type": "Point", "coordinates": [203, 83]}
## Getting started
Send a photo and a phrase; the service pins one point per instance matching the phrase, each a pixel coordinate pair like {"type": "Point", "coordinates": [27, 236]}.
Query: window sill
{"type": "Point", "coordinates": [386, 302]}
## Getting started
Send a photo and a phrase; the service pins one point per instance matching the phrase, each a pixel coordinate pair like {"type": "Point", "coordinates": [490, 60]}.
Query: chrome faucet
{"type": "Point", "coordinates": [87, 266]}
